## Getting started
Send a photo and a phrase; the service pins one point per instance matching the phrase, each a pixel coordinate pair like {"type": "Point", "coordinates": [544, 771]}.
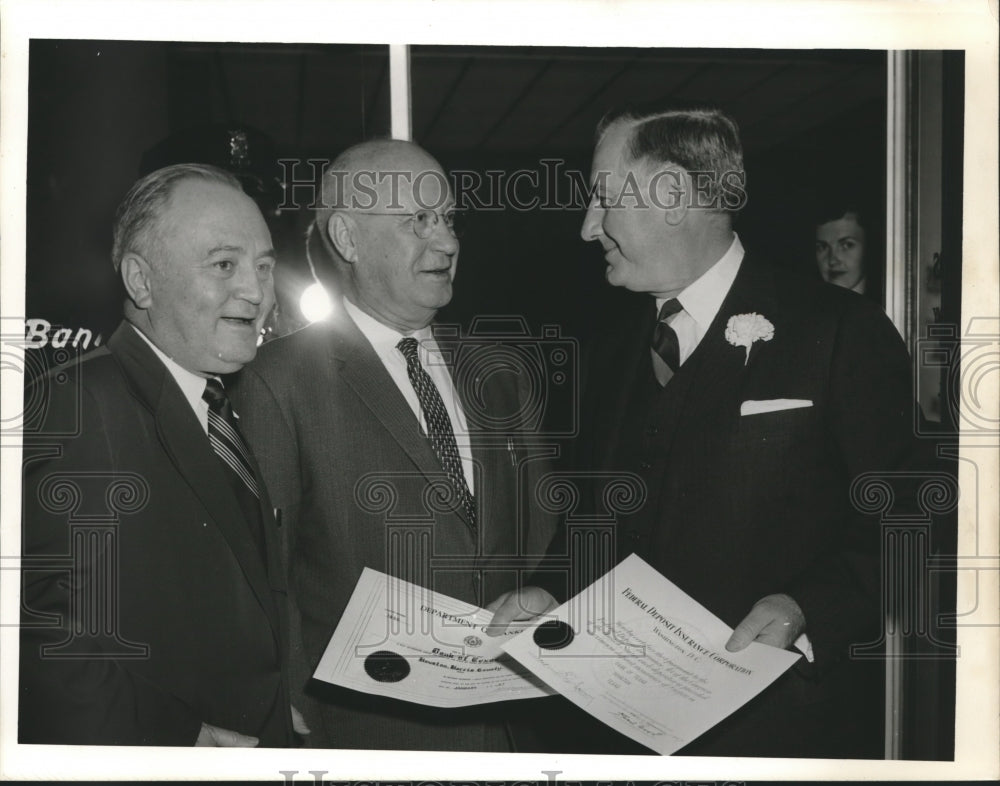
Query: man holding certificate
{"type": "Point", "coordinates": [384, 451]}
{"type": "Point", "coordinates": [747, 402]}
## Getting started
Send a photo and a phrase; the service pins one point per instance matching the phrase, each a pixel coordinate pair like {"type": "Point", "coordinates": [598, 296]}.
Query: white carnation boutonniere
{"type": "Point", "coordinates": [743, 330]}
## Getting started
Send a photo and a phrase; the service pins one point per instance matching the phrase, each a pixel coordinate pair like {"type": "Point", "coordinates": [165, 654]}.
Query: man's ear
{"type": "Point", "coordinates": [676, 215]}
{"type": "Point", "coordinates": [137, 277]}
{"type": "Point", "coordinates": [343, 233]}
{"type": "Point", "coordinates": [672, 191]}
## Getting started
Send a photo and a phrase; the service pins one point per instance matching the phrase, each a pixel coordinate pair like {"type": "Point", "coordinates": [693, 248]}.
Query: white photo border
{"type": "Point", "coordinates": [970, 25]}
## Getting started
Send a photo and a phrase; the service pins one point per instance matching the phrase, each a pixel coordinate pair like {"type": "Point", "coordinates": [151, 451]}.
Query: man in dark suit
{"type": "Point", "coordinates": [360, 421]}
{"type": "Point", "coordinates": [748, 402]}
{"type": "Point", "coordinates": [153, 604]}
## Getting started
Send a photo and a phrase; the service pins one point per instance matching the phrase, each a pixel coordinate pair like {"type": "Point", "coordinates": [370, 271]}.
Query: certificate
{"type": "Point", "coordinates": [403, 641]}
{"type": "Point", "coordinates": [646, 659]}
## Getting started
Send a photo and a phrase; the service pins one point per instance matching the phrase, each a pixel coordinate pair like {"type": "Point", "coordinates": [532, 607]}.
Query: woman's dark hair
{"type": "Point", "coordinates": [834, 206]}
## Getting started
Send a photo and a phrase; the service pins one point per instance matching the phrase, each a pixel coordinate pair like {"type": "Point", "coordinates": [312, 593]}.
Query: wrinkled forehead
{"type": "Point", "coordinates": [415, 188]}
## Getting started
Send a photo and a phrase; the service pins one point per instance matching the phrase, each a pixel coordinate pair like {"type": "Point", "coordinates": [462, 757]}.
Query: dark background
{"type": "Point", "coordinates": [811, 120]}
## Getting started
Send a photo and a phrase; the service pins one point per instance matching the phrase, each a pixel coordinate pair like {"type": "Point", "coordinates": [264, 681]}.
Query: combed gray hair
{"type": "Point", "coordinates": [702, 140]}
{"type": "Point", "coordinates": [140, 209]}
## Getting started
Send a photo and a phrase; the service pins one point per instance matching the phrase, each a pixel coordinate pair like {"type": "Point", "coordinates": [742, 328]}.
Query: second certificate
{"type": "Point", "coordinates": [403, 641]}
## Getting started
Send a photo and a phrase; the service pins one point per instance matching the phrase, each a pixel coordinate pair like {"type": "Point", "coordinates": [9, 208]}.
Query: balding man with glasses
{"type": "Point", "coordinates": [381, 454]}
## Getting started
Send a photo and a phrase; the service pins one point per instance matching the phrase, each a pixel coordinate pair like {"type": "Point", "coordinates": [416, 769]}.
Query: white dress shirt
{"type": "Point", "coordinates": [702, 299]}
{"type": "Point", "coordinates": [191, 385]}
{"type": "Point", "coordinates": [384, 340]}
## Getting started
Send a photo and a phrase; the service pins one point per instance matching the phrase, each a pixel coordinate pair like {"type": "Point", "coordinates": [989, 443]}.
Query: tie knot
{"type": "Point", "coordinates": [215, 395]}
{"type": "Point", "coordinates": [408, 346]}
{"type": "Point", "coordinates": [669, 308]}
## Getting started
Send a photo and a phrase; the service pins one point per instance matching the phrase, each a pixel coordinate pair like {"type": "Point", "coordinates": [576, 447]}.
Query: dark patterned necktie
{"type": "Point", "coordinates": [228, 444]}
{"type": "Point", "coordinates": [666, 349]}
{"type": "Point", "coordinates": [439, 429]}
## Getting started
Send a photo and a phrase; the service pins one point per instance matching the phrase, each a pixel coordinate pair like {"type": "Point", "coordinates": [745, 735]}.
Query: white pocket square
{"type": "Point", "coordinates": [773, 405]}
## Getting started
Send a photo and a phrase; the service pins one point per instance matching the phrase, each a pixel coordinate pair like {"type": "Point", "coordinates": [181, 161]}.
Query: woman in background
{"type": "Point", "coordinates": [847, 247]}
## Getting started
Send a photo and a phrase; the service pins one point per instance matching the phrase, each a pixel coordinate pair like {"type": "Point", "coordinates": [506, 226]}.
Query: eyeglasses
{"type": "Point", "coordinates": [425, 221]}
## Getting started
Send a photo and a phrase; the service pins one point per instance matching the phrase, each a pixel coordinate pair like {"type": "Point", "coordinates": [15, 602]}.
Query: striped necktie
{"type": "Point", "coordinates": [666, 349]}
{"type": "Point", "coordinates": [439, 429]}
{"type": "Point", "coordinates": [228, 444]}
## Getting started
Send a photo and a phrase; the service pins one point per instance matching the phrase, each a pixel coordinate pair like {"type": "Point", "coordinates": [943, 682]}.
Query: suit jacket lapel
{"type": "Point", "coordinates": [189, 450]}
{"type": "Point", "coordinates": [362, 369]}
{"type": "Point", "coordinates": [721, 363]}
{"type": "Point", "coordinates": [708, 379]}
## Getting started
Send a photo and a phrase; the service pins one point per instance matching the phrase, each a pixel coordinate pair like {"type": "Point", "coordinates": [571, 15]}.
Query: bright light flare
{"type": "Point", "coordinates": [316, 303]}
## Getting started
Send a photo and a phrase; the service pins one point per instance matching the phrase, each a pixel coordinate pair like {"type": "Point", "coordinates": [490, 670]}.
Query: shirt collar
{"type": "Point", "coordinates": [191, 385]}
{"type": "Point", "coordinates": [703, 298]}
{"type": "Point", "coordinates": [382, 337]}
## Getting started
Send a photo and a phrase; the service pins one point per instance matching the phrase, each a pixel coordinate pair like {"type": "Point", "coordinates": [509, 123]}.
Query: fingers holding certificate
{"type": "Point", "coordinates": [403, 641]}
{"type": "Point", "coordinates": [646, 659]}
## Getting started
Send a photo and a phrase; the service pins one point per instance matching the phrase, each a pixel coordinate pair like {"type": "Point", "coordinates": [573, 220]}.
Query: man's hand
{"type": "Point", "coordinates": [523, 604]}
{"type": "Point", "coordinates": [776, 620]}
{"type": "Point", "coordinates": [299, 723]}
{"type": "Point", "coordinates": [214, 737]}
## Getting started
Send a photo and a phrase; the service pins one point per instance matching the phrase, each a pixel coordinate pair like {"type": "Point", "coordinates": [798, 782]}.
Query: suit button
{"type": "Point", "coordinates": [652, 431]}
{"type": "Point", "coordinates": [645, 465]}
